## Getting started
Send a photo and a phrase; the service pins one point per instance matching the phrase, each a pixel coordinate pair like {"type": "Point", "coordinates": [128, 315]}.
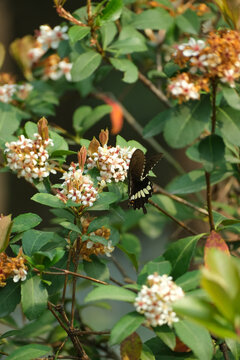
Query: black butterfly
{"type": "Point", "coordinates": [139, 186]}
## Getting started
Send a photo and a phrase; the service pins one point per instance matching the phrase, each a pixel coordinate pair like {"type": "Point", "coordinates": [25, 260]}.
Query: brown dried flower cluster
{"type": "Point", "coordinates": [216, 59]}
{"type": "Point", "coordinates": [12, 267]}
{"type": "Point", "coordinates": [89, 247]}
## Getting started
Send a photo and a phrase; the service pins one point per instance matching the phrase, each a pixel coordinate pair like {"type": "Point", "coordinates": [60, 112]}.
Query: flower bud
{"type": "Point", "coordinates": [103, 137]}
{"type": "Point", "coordinates": [93, 146]}
{"type": "Point", "coordinates": [43, 128]}
{"type": "Point", "coordinates": [82, 156]}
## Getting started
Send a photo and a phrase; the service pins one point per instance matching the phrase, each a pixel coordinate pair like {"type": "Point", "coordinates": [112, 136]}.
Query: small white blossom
{"type": "Point", "coordinates": [192, 47]}
{"type": "Point", "coordinates": [155, 301]}
{"type": "Point", "coordinates": [20, 274]}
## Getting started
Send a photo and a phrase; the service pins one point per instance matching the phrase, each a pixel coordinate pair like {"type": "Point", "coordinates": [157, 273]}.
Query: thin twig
{"type": "Point", "coordinates": [68, 16]}
{"type": "Point", "coordinates": [74, 283]}
{"type": "Point", "coordinates": [76, 274]}
{"type": "Point", "coordinates": [51, 307]}
{"type": "Point", "coordinates": [224, 350]}
{"type": "Point", "coordinates": [180, 223]}
{"type": "Point", "coordinates": [214, 93]}
{"type": "Point", "coordinates": [209, 201]}
{"type": "Point", "coordinates": [160, 190]}
{"type": "Point", "coordinates": [115, 281]}
{"type": "Point", "coordinates": [66, 275]}
{"type": "Point", "coordinates": [154, 89]}
{"type": "Point", "coordinates": [83, 333]}
{"type": "Point", "coordinates": [122, 271]}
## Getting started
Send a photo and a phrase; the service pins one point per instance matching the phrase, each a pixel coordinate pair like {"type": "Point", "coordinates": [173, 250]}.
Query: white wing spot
{"type": "Point", "coordinates": [149, 187]}
{"type": "Point", "coordinates": [142, 193]}
{"type": "Point", "coordinates": [146, 191]}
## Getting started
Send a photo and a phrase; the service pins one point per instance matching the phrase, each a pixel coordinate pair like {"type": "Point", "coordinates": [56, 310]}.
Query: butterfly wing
{"type": "Point", "coordinates": [139, 186]}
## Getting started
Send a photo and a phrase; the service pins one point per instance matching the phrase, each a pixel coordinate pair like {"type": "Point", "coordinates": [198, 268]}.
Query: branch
{"type": "Point", "coordinates": [154, 89]}
{"type": "Point", "coordinates": [159, 190]}
{"type": "Point", "coordinates": [209, 201]}
{"type": "Point", "coordinates": [68, 16]}
{"type": "Point", "coordinates": [180, 223]}
{"type": "Point", "coordinates": [63, 272]}
{"type": "Point", "coordinates": [224, 350]}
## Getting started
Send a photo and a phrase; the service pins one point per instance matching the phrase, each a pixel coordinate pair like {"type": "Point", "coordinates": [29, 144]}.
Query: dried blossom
{"type": "Point", "coordinates": [12, 267]}
{"type": "Point", "coordinates": [155, 300]}
{"type": "Point", "coordinates": [89, 247]}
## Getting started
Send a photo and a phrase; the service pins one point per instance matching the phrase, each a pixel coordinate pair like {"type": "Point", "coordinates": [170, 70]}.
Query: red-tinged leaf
{"type": "Point", "coordinates": [180, 346]}
{"type": "Point", "coordinates": [5, 231]}
{"type": "Point", "coordinates": [131, 347]}
{"type": "Point", "coordinates": [116, 117]}
{"type": "Point", "coordinates": [215, 241]}
{"type": "Point", "coordinates": [116, 114]}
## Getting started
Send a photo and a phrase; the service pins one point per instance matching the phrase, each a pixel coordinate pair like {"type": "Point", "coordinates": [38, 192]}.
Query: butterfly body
{"type": "Point", "coordinates": [140, 187]}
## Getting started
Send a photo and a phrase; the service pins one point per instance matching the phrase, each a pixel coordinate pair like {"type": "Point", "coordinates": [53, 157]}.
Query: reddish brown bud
{"type": "Point", "coordinates": [93, 146]}
{"type": "Point", "coordinates": [103, 137]}
{"type": "Point", "coordinates": [43, 128]}
{"type": "Point", "coordinates": [82, 157]}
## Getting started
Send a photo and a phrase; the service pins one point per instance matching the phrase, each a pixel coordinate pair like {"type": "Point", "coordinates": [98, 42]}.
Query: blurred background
{"type": "Point", "coordinates": [19, 18]}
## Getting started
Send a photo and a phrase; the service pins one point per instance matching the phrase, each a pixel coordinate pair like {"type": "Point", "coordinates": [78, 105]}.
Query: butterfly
{"type": "Point", "coordinates": [140, 188]}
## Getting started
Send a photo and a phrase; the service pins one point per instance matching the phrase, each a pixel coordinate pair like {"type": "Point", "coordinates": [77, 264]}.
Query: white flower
{"type": "Point", "coordinates": [20, 274]}
{"type": "Point", "coordinates": [192, 48]}
{"type": "Point", "coordinates": [155, 301]}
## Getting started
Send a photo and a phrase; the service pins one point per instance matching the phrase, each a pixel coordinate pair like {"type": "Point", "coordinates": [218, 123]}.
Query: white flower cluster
{"type": "Point", "coordinates": [28, 158]}
{"type": "Point", "coordinates": [113, 162]}
{"type": "Point", "coordinates": [7, 91]}
{"type": "Point", "coordinates": [181, 87]}
{"type": "Point", "coordinates": [77, 187]}
{"type": "Point", "coordinates": [155, 302]}
{"type": "Point", "coordinates": [58, 70]}
{"type": "Point", "coordinates": [19, 274]}
{"type": "Point", "coordinates": [47, 38]}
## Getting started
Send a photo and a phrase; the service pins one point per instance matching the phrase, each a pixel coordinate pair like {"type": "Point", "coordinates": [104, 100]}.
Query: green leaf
{"type": "Point", "coordinates": [156, 125]}
{"type": "Point", "coordinates": [146, 353]}
{"type": "Point", "coordinates": [9, 122]}
{"type": "Point", "coordinates": [112, 11]}
{"type": "Point", "coordinates": [34, 240]}
{"type": "Point", "coordinates": [110, 292]}
{"type": "Point", "coordinates": [229, 124]}
{"type": "Point", "coordinates": [234, 346]}
{"type": "Point", "coordinates": [211, 149]}
{"type": "Point", "coordinates": [131, 244]}
{"type": "Point", "coordinates": [158, 265]}
{"type": "Point", "coordinates": [9, 297]}
{"type": "Point", "coordinates": [195, 181]}
{"type": "Point", "coordinates": [97, 223]}
{"type": "Point", "coordinates": [125, 326]}
{"type": "Point", "coordinates": [30, 352]}
{"type": "Point", "coordinates": [189, 281]}
{"type": "Point", "coordinates": [59, 143]}
{"type": "Point", "coordinates": [187, 122]}
{"type": "Point", "coordinates": [77, 33]}
{"type": "Point", "coordinates": [85, 117]}
{"type": "Point", "coordinates": [103, 201]}
{"type": "Point", "coordinates": [108, 32]}
{"type": "Point", "coordinates": [85, 65]}
{"type": "Point", "coordinates": [157, 19]}
{"type": "Point", "coordinates": [231, 96]}
{"type": "Point", "coordinates": [166, 335]}
{"type": "Point", "coordinates": [196, 338]}
{"type": "Point", "coordinates": [205, 314]}
{"type": "Point", "coordinates": [70, 226]}
{"type": "Point", "coordinates": [48, 200]}
{"type": "Point", "coordinates": [96, 269]}
{"type": "Point", "coordinates": [24, 222]}
{"type": "Point", "coordinates": [188, 22]}
{"type": "Point", "coordinates": [34, 297]}
{"type": "Point", "coordinates": [180, 254]}
{"type": "Point", "coordinates": [130, 40]}
{"type": "Point", "coordinates": [128, 67]}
